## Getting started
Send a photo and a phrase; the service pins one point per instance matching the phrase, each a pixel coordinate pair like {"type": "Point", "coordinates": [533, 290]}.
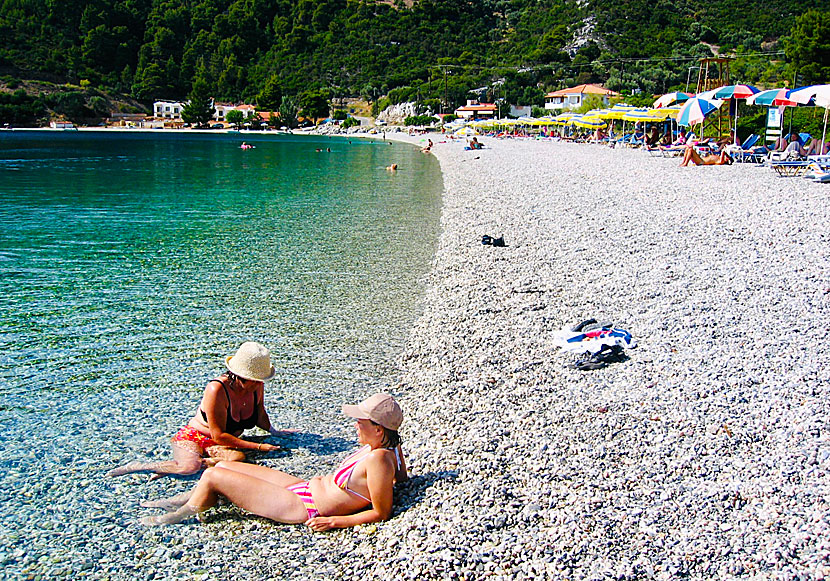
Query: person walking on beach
{"type": "Point", "coordinates": [231, 404]}
{"type": "Point", "coordinates": [359, 492]}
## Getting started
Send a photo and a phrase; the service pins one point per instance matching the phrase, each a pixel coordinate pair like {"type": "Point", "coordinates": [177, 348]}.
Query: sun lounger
{"type": "Point", "coordinates": [747, 152]}
{"type": "Point", "coordinates": [788, 169]}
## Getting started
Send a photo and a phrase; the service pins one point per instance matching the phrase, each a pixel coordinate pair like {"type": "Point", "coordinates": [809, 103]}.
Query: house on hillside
{"type": "Point", "coordinates": [573, 97]}
{"type": "Point", "coordinates": [476, 110]}
{"type": "Point", "coordinates": [168, 109]}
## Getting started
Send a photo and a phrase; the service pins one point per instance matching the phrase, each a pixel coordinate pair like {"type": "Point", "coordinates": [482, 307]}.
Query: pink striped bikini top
{"type": "Point", "coordinates": [344, 471]}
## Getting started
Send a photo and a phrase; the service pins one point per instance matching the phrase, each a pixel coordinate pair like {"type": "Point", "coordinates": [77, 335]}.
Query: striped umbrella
{"type": "Point", "coordinates": [772, 98]}
{"type": "Point", "coordinates": [640, 115]}
{"type": "Point", "coordinates": [734, 92]}
{"type": "Point", "coordinates": [618, 110]}
{"type": "Point", "coordinates": [696, 109]}
{"type": "Point", "coordinates": [588, 122]}
{"type": "Point", "coordinates": [671, 98]}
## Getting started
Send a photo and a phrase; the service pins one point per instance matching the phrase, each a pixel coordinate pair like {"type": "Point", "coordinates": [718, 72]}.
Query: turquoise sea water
{"type": "Point", "coordinates": [132, 264]}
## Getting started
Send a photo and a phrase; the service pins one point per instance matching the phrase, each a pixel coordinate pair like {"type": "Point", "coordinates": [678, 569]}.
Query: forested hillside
{"type": "Point", "coordinates": [260, 50]}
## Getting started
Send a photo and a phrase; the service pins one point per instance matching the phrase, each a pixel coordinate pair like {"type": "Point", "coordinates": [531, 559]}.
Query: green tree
{"type": "Point", "coordinates": [271, 95]}
{"type": "Point", "coordinates": [199, 110]}
{"type": "Point", "coordinates": [289, 112]}
{"type": "Point", "coordinates": [150, 83]}
{"type": "Point", "coordinates": [234, 117]}
{"type": "Point", "coordinates": [808, 46]}
{"type": "Point", "coordinates": [314, 104]}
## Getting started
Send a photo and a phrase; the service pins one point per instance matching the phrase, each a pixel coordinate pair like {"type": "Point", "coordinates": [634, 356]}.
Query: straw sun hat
{"type": "Point", "coordinates": [252, 361]}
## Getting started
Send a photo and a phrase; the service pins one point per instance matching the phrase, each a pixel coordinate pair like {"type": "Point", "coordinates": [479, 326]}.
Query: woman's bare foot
{"type": "Point", "coordinates": [171, 518]}
{"type": "Point", "coordinates": [169, 504]}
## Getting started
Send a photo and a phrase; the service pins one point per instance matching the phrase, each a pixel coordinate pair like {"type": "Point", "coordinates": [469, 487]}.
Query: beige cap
{"type": "Point", "coordinates": [381, 408]}
{"type": "Point", "coordinates": [252, 361]}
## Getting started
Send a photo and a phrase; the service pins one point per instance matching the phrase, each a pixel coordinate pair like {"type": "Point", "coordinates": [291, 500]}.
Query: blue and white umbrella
{"type": "Point", "coordinates": [695, 110]}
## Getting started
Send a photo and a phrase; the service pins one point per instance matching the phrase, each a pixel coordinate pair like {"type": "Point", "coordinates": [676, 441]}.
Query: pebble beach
{"type": "Point", "coordinates": [705, 454]}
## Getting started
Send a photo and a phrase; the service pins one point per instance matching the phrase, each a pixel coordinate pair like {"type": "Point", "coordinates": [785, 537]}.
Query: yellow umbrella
{"type": "Point", "coordinates": [619, 110]}
{"type": "Point", "coordinates": [589, 122]}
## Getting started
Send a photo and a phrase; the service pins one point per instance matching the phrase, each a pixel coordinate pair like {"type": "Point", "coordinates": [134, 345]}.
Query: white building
{"type": "Point", "coordinates": [168, 109]}
{"type": "Point", "coordinates": [573, 97]}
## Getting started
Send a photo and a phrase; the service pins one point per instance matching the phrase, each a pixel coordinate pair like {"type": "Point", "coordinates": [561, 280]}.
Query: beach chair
{"type": "Point", "coordinates": [788, 169]}
{"type": "Point", "coordinates": [744, 153]}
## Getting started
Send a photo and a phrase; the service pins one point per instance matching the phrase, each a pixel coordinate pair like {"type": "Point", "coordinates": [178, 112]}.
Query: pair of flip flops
{"type": "Point", "coordinates": [490, 241]}
{"type": "Point", "coordinates": [607, 354]}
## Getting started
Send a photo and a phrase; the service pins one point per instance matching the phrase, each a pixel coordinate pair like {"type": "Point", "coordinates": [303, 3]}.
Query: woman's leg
{"type": "Point", "coordinates": [253, 494]}
{"type": "Point", "coordinates": [169, 504]}
{"type": "Point", "coordinates": [691, 155]}
{"type": "Point", "coordinates": [271, 475]}
{"type": "Point", "coordinates": [186, 460]}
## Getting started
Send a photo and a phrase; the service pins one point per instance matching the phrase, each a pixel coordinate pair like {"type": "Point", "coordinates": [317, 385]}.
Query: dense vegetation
{"type": "Point", "coordinates": [438, 50]}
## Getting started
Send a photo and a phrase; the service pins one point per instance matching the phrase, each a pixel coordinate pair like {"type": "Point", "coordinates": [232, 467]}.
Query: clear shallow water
{"type": "Point", "coordinates": [132, 264]}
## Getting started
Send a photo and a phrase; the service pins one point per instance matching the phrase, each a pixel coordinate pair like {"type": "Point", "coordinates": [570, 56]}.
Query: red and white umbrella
{"type": "Point", "coordinates": [772, 98]}
{"type": "Point", "coordinates": [818, 94]}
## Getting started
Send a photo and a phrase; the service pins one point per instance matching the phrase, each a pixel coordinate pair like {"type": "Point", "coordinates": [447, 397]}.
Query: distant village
{"type": "Point", "coordinates": [167, 113]}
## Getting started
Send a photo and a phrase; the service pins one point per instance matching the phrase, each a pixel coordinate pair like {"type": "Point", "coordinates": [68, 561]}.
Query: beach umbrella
{"type": "Point", "coordinates": [772, 98]}
{"type": "Point", "coordinates": [671, 98]}
{"type": "Point", "coordinates": [818, 94]}
{"type": "Point", "coordinates": [734, 92]}
{"type": "Point", "coordinates": [618, 110]}
{"type": "Point", "coordinates": [466, 131]}
{"type": "Point", "coordinates": [641, 115]}
{"type": "Point", "coordinates": [664, 113]}
{"type": "Point", "coordinates": [696, 109]}
{"type": "Point", "coordinates": [588, 122]}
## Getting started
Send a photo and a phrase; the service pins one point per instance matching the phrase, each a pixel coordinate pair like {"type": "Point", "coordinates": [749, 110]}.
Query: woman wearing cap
{"type": "Point", "coordinates": [231, 404]}
{"type": "Point", "coordinates": [359, 492]}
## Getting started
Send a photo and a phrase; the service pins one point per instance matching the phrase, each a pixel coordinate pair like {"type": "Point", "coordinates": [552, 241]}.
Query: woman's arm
{"type": "Point", "coordinates": [401, 474]}
{"type": "Point", "coordinates": [262, 419]}
{"type": "Point", "coordinates": [380, 471]}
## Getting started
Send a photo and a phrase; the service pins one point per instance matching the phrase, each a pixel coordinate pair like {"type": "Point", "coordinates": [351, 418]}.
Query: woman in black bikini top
{"type": "Point", "coordinates": [213, 434]}
{"type": "Point", "coordinates": [232, 426]}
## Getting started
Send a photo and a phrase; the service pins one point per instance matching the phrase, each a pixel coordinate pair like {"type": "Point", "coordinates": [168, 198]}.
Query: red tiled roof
{"type": "Point", "coordinates": [582, 89]}
{"type": "Point", "coordinates": [479, 107]}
